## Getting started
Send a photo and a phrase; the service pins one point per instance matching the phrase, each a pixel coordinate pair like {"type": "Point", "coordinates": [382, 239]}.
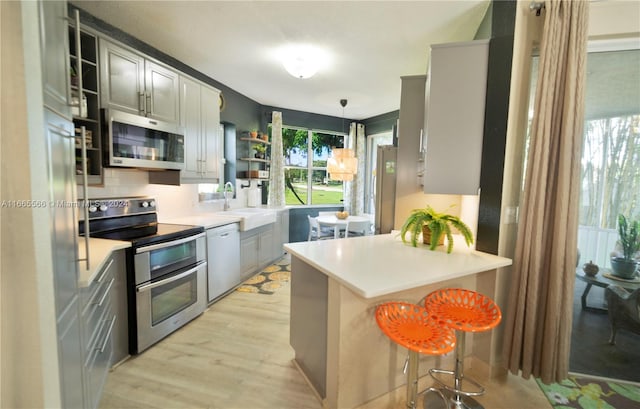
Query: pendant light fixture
{"type": "Point", "coordinates": [342, 164]}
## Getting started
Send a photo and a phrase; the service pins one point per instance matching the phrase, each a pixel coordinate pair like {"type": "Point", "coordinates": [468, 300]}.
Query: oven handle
{"type": "Point", "coordinates": [168, 244]}
{"type": "Point", "coordinates": [148, 287]}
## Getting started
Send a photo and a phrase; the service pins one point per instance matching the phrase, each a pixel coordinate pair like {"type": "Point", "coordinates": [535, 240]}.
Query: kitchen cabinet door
{"type": "Point", "coordinates": [191, 122]}
{"type": "Point", "coordinates": [265, 247]}
{"type": "Point", "coordinates": [200, 117]}
{"type": "Point", "coordinates": [63, 232]}
{"type": "Point", "coordinates": [212, 146]}
{"type": "Point", "coordinates": [248, 255]}
{"type": "Point", "coordinates": [55, 56]}
{"type": "Point", "coordinates": [121, 78]}
{"type": "Point", "coordinates": [161, 92]}
{"type": "Point", "coordinates": [454, 118]}
{"type": "Point", "coordinates": [131, 83]}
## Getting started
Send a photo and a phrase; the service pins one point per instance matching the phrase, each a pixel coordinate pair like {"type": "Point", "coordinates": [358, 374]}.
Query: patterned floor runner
{"type": "Point", "coordinates": [269, 279]}
{"type": "Point", "coordinates": [591, 393]}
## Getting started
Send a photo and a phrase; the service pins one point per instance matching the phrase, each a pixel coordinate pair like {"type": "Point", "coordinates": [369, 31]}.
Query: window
{"type": "Point", "coordinates": [305, 154]}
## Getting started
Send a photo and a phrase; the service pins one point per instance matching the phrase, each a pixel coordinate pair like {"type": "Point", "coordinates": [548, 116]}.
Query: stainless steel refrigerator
{"type": "Point", "coordinates": [385, 183]}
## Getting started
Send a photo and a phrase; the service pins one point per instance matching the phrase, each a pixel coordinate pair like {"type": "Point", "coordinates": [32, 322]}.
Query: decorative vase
{"type": "Point", "coordinates": [590, 269]}
{"type": "Point", "coordinates": [623, 268]}
{"type": "Point", "coordinates": [426, 236]}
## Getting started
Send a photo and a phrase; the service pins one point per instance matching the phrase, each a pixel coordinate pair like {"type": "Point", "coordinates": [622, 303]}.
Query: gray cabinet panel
{"type": "Point", "coordinates": [121, 78]}
{"type": "Point", "coordinates": [70, 356]}
{"type": "Point", "coordinates": [248, 255]}
{"type": "Point", "coordinates": [200, 117]}
{"type": "Point", "coordinates": [60, 166]}
{"type": "Point", "coordinates": [456, 90]}
{"type": "Point", "coordinates": [161, 86]}
{"type": "Point", "coordinates": [212, 142]}
{"type": "Point", "coordinates": [190, 120]}
{"type": "Point", "coordinates": [55, 56]}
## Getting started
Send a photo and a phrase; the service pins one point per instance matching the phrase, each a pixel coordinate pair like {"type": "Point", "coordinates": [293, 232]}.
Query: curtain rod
{"type": "Point", "coordinates": [537, 7]}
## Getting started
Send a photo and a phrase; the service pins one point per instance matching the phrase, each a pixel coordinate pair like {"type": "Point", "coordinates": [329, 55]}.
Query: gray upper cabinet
{"type": "Point", "coordinates": [200, 118]}
{"type": "Point", "coordinates": [131, 83]}
{"type": "Point", "coordinates": [454, 118]}
{"type": "Point", "coordinates": [55, 56]}
{"type": "Point", "coordinates": [161, 85]}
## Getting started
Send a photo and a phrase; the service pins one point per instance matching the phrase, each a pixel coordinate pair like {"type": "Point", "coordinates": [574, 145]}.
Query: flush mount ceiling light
{"type": "Point", "coordinates": [302, 61]}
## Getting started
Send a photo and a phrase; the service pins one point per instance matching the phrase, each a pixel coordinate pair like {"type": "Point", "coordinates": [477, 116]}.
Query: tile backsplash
{"type": "Point", "coordinates": [173, 201]}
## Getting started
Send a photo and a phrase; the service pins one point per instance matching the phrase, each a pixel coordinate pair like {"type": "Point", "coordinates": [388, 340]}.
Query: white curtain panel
{"type": "Point", "coordinates": [354, 190]}
{"type": "Point", "coordinates": [348, 196]}
{"type": "Point", "coordinates": [359, 179]}
{"type": "Point", "coordinates": [276, 175]}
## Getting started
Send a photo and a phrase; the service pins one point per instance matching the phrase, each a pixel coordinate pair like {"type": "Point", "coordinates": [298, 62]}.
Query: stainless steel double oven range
{"type": "Point", "coordinates": [166, 266]}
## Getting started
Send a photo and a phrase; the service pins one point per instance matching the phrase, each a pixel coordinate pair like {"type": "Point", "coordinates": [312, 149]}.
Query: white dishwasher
{"type": "Point", "coordinates": [223, 252]}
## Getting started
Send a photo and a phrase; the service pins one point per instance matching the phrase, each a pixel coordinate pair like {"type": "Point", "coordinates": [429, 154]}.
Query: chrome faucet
{"type": "Point", "coordinates": [228, 189]}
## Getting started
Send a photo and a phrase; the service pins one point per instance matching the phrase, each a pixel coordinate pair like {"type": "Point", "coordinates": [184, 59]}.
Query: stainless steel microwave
{"type": "Point", "coordinates": [139, 142]}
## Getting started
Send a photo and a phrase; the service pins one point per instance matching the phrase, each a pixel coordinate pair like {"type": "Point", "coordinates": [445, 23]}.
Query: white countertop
{"type": "Point", "coordinates": [99, 251]}
{"type": "Point", "coordinates": [373, 266]}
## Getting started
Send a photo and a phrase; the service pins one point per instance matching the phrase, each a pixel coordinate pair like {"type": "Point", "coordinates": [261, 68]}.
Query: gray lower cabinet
{"type": "Point", "coordinates": [248, 253]}
{"type": "Point", "coordinates": [280, 233]}
{"type": "Point", "coordinates": [98, 320]}
{"type": "Point", "coordinates": [256, 249]}
{"type": "Point", "coordinates": [261, 246]}
{"type": "Point", "coordinates": [120, 308]}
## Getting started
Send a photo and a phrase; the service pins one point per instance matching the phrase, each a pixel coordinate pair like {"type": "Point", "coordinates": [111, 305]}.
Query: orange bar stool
{"type": "Point", "coordinates": [464, 311]}
{"type": "Point", "coordinates": [412, 327]}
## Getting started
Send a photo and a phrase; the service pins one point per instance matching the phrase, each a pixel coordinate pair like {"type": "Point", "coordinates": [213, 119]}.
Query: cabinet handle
{"type": "Point", "coordinates": [85, 191]}
{"type": "Point", "coordinates": [148, 107]}
{"type": "Point", "coordinates": [106, 292]}
{"type": "Point", "coordinates": [108, 336]}
{"type": "Point", "coordinates": [142, 103]}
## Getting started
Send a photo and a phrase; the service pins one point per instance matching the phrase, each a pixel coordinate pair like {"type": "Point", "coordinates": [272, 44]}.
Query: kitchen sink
{"type": "Point", "coordinates": [251, 217]}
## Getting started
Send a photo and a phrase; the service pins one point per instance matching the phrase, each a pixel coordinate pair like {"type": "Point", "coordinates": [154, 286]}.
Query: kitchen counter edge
{"type": "Point", "coordinates": [99, 251]}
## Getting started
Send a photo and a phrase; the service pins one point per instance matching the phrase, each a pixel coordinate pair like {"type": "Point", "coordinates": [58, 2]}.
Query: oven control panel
{"type": "Point", "coordinates": [113, 207]}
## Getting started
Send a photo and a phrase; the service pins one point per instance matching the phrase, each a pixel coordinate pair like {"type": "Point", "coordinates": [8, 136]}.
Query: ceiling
{"type": "Point", "coordinates": [369, 44]}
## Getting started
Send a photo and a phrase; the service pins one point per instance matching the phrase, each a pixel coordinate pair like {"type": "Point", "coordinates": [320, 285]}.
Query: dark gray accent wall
{"type": "Point", "coordinates": [291, 117]}
{"type": "Point", "coordinates": [503, 16]}
{"type": "Point", "coordinates": [239, 109]}
{"type": "Point", "coordinates": [381, 123]}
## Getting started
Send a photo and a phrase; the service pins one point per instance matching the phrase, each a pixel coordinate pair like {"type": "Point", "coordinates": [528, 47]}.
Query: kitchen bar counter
{"type": "Point", "coordinates": [335, 288]}
{"type": "Point", "coordinates": [99, 251]}
{"type": "Point", "coordinates": [374, 266]}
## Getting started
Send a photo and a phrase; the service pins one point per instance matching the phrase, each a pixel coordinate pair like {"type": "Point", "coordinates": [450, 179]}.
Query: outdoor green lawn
{"type": "Point", "coordinates": [319, 195]}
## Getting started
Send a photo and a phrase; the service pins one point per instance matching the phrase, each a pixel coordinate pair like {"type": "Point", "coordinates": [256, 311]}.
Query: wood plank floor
{"type": "Point", "coordinates": [237, 356]}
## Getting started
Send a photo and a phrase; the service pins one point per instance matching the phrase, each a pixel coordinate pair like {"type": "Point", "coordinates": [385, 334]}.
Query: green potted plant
{"type": "Point", "coordinates": [260, 151]}
{"type": "Point", "coordinates": [434, 227]}
{"type": "Point", "coordinates": [625, 266]}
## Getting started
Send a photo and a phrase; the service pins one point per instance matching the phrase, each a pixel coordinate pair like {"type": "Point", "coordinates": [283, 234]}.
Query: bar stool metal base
{"type": "Point", "coordinates": [434, 401]}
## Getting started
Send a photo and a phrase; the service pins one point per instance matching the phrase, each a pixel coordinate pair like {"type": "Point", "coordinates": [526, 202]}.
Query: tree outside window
{"type": "Point", "coordinates": [307, 181]}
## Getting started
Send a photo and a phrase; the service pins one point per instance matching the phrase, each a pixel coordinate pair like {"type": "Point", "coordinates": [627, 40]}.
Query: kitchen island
{"type": "Point", "coordinates": [335, 288]}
